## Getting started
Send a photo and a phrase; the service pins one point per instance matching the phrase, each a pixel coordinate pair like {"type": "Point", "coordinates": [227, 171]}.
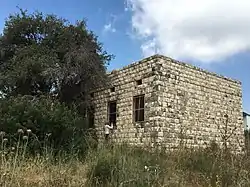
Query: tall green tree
{"type": "Point", "coordinates": [43, 54]}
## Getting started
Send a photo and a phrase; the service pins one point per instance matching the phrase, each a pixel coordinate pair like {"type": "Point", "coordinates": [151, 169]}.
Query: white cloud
{"type": "Point", "coordinates": [149, 48]}
{"type": "Point", "coordinates": [203, 30]}
{"type": "Point", "coordinates": [109, 28]}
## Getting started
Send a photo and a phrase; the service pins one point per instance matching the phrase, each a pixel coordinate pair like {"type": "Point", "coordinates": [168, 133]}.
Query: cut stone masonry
{"type": "Point", "coordinates": [179, 104]}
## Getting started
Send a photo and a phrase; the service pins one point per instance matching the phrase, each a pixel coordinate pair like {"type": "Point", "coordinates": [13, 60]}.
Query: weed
{"type": "Point", "coordinates": [122, 166]}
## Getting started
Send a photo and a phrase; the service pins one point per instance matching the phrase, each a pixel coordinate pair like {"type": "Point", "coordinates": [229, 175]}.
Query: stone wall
{"type": "Point", "coordinates": [184, 105]}
{"type": "Point", "coordinates": [197, 107]}
{"type": "Point", "coordinates": [124, 81]}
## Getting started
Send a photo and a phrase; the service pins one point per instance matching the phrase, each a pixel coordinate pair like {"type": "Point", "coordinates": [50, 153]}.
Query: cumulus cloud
{"type": "Point", "coordinates": [203, 30]}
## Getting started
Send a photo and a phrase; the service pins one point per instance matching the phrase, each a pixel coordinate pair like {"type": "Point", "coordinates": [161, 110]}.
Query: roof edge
{"type": "Point", "coordinates": [177, 62]}
{"type": "Point", "coordinates": [198, 68]}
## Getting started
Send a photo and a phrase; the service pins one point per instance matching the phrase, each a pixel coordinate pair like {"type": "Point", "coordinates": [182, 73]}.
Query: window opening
{"type": "Point", "coordinates": [138, 108]}
{"type": "Point", "coordinates": [112, 112]}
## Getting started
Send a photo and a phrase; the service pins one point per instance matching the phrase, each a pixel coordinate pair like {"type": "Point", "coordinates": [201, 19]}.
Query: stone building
{"type": "Point", "coordinates": [159, 101]}
{"type": "Point", "coordinates": [246, 119]}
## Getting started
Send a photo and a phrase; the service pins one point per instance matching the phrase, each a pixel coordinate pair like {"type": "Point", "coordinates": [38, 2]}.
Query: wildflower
{"type": "Point", "coordinates": [146, 168]}
{"type": "Point", "coordinates": [48, 134]}
{"type": "Point", "coordinates": [25, 137]}
{"type": "Point", "coordinates": [5, 140]}
{"type": "Point", "coordinates": [29, 131]}
{"type": "Point", "coordinates": [20, 131]}
{"type": "Point", "coordinates": [12, 148]}
{"type": "Point", "coordinates": [2, 133]}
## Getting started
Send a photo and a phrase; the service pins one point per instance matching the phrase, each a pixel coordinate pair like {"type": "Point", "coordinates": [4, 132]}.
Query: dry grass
{"type": "Point", "coordinates": [40, 172]}
{"type": "Point", "coordinates": [122, 166]}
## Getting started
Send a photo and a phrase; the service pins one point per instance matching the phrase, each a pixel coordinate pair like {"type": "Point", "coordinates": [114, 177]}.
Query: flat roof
{"type": "Point", "coordinates": [188, 65]}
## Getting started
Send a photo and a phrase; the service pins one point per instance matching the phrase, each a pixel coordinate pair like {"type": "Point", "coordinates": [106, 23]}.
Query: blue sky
{"type": "Point", "coordinates": [130, 31]}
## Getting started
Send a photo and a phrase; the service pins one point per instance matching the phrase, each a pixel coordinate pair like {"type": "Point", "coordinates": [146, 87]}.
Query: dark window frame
{"type": "Point", "coordinates": [139, 108]}
{"type": "Point", "coordinates": [114, 114]}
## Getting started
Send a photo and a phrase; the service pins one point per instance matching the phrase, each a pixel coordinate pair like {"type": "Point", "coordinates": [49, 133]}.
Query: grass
{"type": "Point", "coordinates": [121, 166]}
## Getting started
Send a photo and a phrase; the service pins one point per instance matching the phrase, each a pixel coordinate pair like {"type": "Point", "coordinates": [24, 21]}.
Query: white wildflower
{"type": "Point", "coordinates": [2, 133]}
{"type": "Point", "coordinates": [29, 131]}
{"type": "Point", "coordinates": [20, 131]}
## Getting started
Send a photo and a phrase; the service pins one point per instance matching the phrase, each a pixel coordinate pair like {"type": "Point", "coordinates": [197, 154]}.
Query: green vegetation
{"type": "Point", "coordinates": [43, 54]}
{"type": "Point", "coordinates": [48, 68]}
{"type": "Point", "coordinates": [48, 119]}
{"type": "Point", "coordinates": [119, 166]}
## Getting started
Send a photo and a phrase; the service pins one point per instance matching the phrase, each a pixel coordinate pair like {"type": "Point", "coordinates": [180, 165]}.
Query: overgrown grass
{"type": "Point", "coordinates": [121, 166]}
{"type": "Point", "coordinates": [125, 166]}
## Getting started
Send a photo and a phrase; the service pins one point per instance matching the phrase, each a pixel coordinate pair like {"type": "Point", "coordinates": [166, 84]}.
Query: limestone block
{"type": "Point", "coordinates": [178, 98]}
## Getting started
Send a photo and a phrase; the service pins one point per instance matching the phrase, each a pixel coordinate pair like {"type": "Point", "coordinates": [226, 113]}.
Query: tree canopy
{"type": "Point", "coordinates": [43, 54]}
{"type": "Point", "coordinates": [47, 66]}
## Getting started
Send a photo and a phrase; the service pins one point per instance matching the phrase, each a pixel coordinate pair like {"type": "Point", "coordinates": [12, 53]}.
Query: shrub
{"type": "Point", "coordinates": [50, 121]}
